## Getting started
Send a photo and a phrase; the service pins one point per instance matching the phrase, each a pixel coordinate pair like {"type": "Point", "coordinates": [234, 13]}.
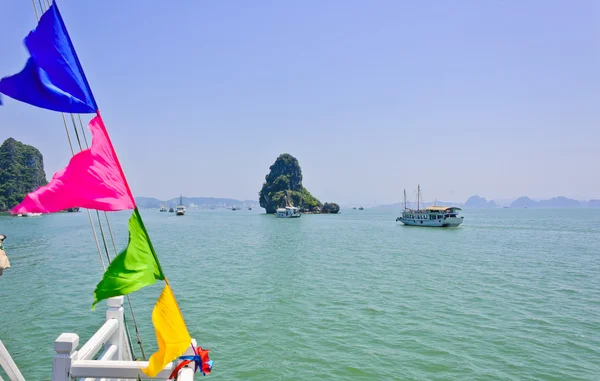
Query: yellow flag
{"type": "Point", "coordinates": [171, 334]}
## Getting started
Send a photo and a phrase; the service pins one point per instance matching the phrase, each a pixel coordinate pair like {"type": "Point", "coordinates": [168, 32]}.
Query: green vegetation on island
{"type": "Point", "coordinates": [283, 187]}
{"type": "Point", "coordinates": [21, 172]}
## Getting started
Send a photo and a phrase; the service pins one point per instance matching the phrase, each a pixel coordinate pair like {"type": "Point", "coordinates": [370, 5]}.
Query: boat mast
{"type": "Point", "coordinates": [404, 199]}
{"type": "Point", "coordinates": [418, 197]}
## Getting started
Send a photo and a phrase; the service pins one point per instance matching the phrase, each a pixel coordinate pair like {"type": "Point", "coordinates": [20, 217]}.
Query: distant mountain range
{"type": "Point", "coordinates": [413, 205]}
{"type": "Point", "coordinates": [555, 202]}
{"type": "Point", "coordinates": [477, 202]}
{"type": "Point", "coordinates": [473, 202]}
{"type": "Point", "coordinates": [194, 202]}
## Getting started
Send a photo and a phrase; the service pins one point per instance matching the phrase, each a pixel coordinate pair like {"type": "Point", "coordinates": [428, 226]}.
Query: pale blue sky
{"type": "Point", "coordinates": [497, 98]}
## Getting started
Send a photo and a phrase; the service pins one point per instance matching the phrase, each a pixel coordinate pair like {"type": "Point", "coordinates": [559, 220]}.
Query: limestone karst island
{"type": "Point", "coordinates": [21, 172]}
{"type": "Point", "coordinates": [283, 187]}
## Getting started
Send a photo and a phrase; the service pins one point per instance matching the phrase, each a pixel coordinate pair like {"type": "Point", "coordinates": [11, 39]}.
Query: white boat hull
{"type": "Point", "coordinates": [180, 210]}
{"type": "Point", "coordinates": [440, 223]}
{"type": "Point", "coordinates": [29, 215]}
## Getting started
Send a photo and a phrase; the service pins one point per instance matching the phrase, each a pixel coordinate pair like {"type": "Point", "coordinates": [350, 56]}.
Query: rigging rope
{"type": "Point", "coordinates": [97, 213]}
{"type": "Point", "coordinates": [83, 131]}
{"type": "Point", "coordinates": [137, 332]}
{"type": "Point", "coordinates": [41, 7]}
{"type": "Point", "coordinates": [35, 10]}
{"type": "Point", "coordinates": [42, 10]}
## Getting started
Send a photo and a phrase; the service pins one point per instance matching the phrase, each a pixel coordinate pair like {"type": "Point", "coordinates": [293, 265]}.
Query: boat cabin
{"type": "Point", "coordinates": [443, 210]}
{"type": "Point", "coordinates": [288, 212]}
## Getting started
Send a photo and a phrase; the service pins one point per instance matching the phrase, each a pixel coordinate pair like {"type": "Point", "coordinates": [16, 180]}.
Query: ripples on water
{"type": "Point", "coordinates": [510, 295]}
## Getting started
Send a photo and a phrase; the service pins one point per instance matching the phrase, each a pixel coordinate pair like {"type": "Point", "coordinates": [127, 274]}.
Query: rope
{"type": "Point", "coordinates": [135, 325]}
{"type": "Point", "coordinates": [137, 331]}
{"type": "Point", "coordinates": [83, 131]}
{"type": "Point", "coordinates": [97, 213]}
{"type": "Point", "coordinates": [134, 357]}
{"type": "Point", "coordinates": [41, 7]}
{"type": "Point", "coordinates": [35, 10]}
{"type": "Point", "coordinates": [42, 10]}
{"type": "Point", "coordinates": [68, 135]}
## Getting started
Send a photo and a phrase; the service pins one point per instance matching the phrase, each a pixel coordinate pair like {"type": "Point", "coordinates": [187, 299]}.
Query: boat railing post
{"type": "Point", "coordinates": [115, 311]}
{"type": "Point", "coordinates": [187, 372]}
{"type": "Point", "coordinates": [66, 353]}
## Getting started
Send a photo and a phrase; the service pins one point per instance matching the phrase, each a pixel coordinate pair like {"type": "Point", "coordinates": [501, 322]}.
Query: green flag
{"type": "Point", "coordinates": [134, 268]}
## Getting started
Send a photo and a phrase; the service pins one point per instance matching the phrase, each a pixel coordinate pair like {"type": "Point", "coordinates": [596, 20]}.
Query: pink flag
{"type": "Point", "coordinates": [93, 180]}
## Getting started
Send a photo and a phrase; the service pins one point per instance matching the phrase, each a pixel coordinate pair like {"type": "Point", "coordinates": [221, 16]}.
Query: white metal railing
{"type": "Point", "coordinates": [9, 366]}
{"type": "Point", "coordinates": [70, 363]}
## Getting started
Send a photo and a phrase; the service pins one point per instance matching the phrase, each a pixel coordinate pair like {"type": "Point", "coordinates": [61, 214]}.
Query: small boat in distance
{"type": "Point", "coordinates": [249, 208]}
{"type": "Point", "coordinates": [434, 216]}
{"type": "Point", "coordinates": [180, 210]}
{"type": "Point", "coordinates": [29, 214]}
{"type": "Point", "coordinates": [171, 210]}
{"type": "Point", "coordinates": [163, 208]}
{"type": "Point", "coordinates": [233, 208]}
{"type": "Point", "coordinates": [361, 208]}
{"type": "Point", "coordinates": [288, 212]}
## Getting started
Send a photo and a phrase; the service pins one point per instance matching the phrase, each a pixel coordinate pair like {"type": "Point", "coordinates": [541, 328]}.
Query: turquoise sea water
{"type": "Point", "coordinates": [510, 295]}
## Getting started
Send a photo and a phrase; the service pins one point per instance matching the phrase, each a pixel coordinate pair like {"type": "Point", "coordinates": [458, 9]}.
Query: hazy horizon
{"type": "Point", "coordinates": [497, 99]}
{"type": "Point", "coordinates": [410, 198]}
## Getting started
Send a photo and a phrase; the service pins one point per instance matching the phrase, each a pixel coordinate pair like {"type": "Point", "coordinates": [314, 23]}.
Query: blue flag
{"type": "Point", "coordinates": [52, 78]}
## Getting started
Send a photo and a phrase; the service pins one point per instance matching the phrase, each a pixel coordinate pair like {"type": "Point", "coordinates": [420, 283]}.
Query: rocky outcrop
{"type": "Point", "coordinates": [523, 202]}
{"type": "Point", "coordinates": [559, 202]}
{"type": "Point", "coordinates": [479, 202]}
{"type": "Point", "coordinates": [21, 172]}
{"type": "Point", "coordinates": [331, 207]}
{"type": "Point", "coordinates": [283, 187]}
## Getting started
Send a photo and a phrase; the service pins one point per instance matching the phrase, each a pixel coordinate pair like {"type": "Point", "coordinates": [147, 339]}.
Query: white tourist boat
{"type": "Point", "coordinates": [163, 208]}
{"type": "Point", "coordinates": [288, 212]}
{"type": "Point", "coordinates": [180, 209]}
{"type": "Point", "coordinates": [432, 216]}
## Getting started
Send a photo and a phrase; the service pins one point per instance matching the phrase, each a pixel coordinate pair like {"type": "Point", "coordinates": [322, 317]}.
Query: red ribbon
{"type": "Point", "coordinates": [200, 360]}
